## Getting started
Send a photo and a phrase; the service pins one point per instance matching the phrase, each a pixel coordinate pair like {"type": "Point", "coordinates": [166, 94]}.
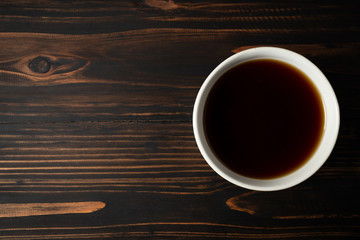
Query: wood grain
{"type": "Point", "coordinates": [38, 209]}
{"type": "Point", "coordinates": [96, 102]}
{"type": "Point", "coordinates": [300, 203]}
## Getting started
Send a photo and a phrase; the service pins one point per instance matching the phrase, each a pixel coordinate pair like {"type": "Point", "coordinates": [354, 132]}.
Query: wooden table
{"type": "Point", "coordinates": [96, 136]}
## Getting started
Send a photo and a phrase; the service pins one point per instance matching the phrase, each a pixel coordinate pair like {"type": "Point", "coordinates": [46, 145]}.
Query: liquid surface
{"type": "Point", "coordinates": [264, 119]}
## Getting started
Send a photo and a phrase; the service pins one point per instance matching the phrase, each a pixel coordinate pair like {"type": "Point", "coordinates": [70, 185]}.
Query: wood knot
{"type": "Point", "coordinates": [42, 69]}
{"type": "Point", "coordinates": [40, 64]}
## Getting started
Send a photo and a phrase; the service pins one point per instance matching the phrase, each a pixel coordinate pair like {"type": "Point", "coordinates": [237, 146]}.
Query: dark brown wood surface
{"type": "Point", "coordinates": [96, 137]}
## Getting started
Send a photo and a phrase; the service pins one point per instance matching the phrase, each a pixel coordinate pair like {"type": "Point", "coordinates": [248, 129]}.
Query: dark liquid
{"type": "Point", "coordinates": [264, 119]}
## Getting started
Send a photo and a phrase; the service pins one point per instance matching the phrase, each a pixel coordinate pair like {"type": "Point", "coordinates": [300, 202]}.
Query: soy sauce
{"type": "Point", "coordinates": [264, 119]}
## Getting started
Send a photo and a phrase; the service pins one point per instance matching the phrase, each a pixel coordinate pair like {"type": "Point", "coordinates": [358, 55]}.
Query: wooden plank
{"type": "Point", "coordinates": [152, 157]}
{"type": "Point", "coordinates": [135, 87]}
{"type": "Point", "coordinates": [110, 16]}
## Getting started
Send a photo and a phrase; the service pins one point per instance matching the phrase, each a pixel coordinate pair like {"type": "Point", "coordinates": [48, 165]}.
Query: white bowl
{"type": "Point", "coordinates": [331, 127]}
